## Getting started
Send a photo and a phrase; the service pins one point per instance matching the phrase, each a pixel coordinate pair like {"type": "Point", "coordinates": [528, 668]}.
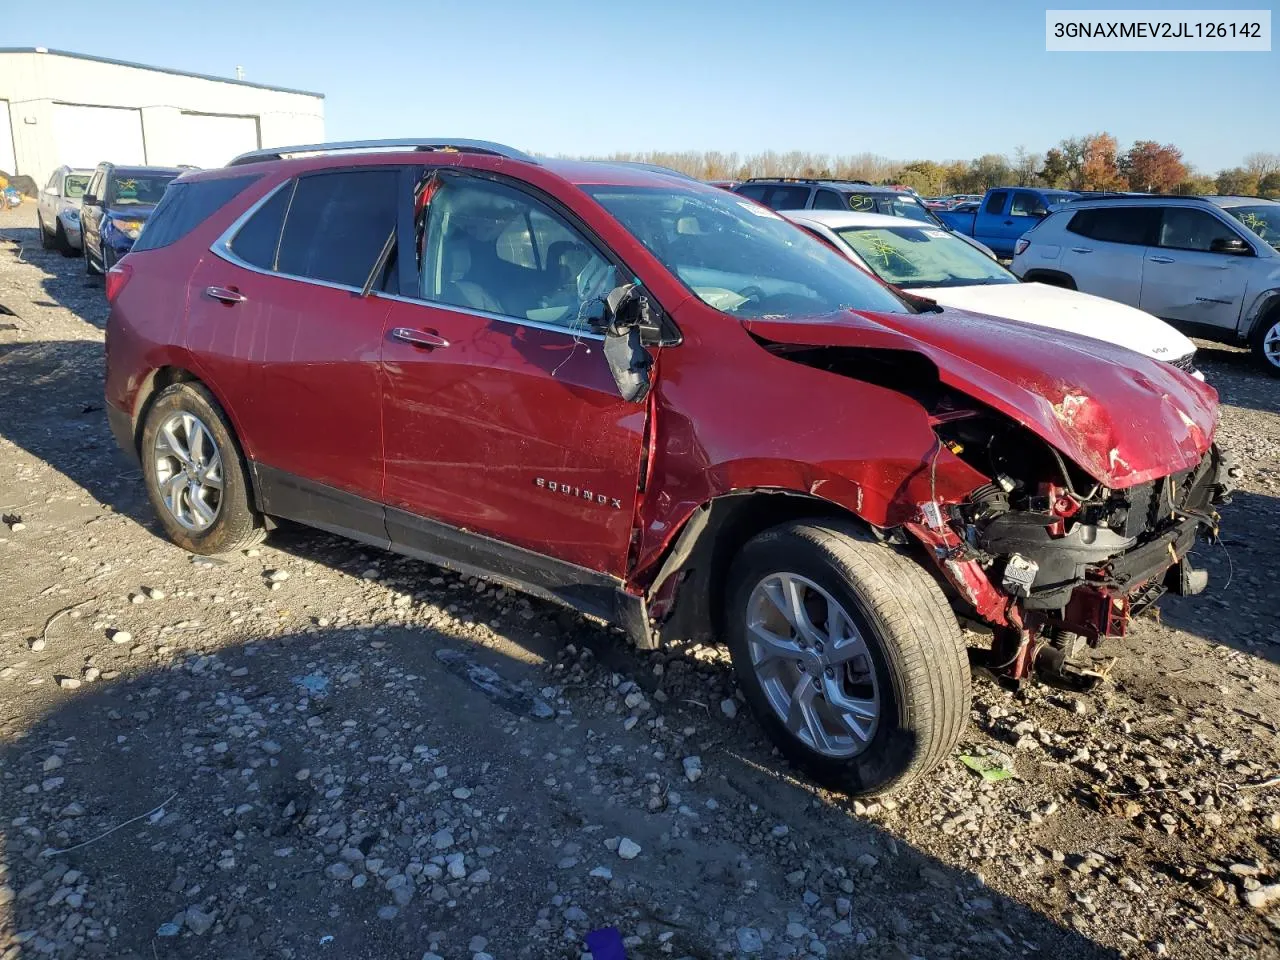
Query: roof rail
{"type": "Point", "coordinates": [865, 183]}
{"type": "Point", "coordinates": [408, 143]}
{"type": "Point", "coordinates": [1085, 197]}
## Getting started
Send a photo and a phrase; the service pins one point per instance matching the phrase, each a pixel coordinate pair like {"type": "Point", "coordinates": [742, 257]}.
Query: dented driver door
{"type": "Point", "coordinates": [500, 415]}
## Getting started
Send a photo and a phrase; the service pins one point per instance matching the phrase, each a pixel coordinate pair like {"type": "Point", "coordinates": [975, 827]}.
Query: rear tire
{"type": "Point", "coordinates": [913, 665]}
{"type": "Point", "coordinates": [1266, 343]}
{"type": "Point", "coordinates": [61, 242]}
{"type": "Point", "coordinates": [195, 423]}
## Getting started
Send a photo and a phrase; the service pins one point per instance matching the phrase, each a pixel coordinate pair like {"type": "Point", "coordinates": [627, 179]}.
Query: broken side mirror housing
{"type": "Point", "coordinates": [627, 310]}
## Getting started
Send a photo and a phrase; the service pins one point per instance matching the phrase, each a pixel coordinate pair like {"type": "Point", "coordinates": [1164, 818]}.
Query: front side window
{"type": "Point", "coordinates": [75, 185]}
{"type": "Point", "coordinates": [1027, 204]}
{"type": "Point", "coordinates": [338, 224]}
{"type": "Point", "coordinates": [1184, 228]}
{"type": "Point", "coordinates": [127, 188]}
{"type": "Point", "coordinates": [1263, 220]}
{"type": "Point", "coordinates": [489, 247]}
{"type": "Point", "coordinates": [740, 258]}
{"type": "Point", "coordinates": [909, 256]}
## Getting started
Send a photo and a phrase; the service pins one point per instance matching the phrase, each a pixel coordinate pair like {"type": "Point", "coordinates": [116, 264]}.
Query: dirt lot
{"type": "Point", "coordinates": [296, 752]}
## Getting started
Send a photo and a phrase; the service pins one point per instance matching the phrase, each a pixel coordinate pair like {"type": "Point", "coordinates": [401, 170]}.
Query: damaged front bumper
{"type": "Point", "coordinates": [1040, 579]}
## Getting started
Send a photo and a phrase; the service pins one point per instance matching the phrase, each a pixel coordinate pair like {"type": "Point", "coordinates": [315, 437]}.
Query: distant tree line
{"type": "Point", "coordinates": [1092, 162]}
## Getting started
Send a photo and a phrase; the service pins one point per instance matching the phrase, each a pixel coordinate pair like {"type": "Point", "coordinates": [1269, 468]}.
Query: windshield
{"type": "Point", "coordinates": [128, 189]}
{"type": "Point", "coordinates": [740, 257]}
{"type": "Point", "coordinates": [1264, 220]}
{"type": "Point", "coordinates": [922, 257]}
{"type": "Point", "coordinates": [73, 185]}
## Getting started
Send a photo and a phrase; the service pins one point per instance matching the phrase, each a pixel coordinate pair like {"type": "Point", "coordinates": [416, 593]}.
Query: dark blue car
{"type": "Point", "coordinates": [115, 206]}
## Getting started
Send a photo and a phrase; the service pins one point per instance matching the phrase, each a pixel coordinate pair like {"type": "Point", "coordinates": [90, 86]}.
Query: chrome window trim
{"type": "Point", "coordinates": [578, 334]}
{"type": "Point", "coordinates": [221, 248]}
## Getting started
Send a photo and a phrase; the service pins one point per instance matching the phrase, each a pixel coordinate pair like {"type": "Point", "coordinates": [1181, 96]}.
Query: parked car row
{"type": "Point", "coordinates": [99, 213]}
{"type": "Point", "coordinates": [665, 405]}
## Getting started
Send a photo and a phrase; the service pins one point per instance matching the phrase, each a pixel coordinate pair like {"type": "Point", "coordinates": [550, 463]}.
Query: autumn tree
{"type": "Point", "coordinates": [924, 176]}
{"type": "Point", "coordinates": [1269, 185]}
{"type": "Point", "coordinates": [1195, 185]}
{"type": "Point", "coordinates": [990, 170]}
{"type": "Point", "coordinates": [1099, 166]}
{"type": "Point", "coordinates": [1152, 167]}
{"type": "Point", "coordinates": [1237, 180]}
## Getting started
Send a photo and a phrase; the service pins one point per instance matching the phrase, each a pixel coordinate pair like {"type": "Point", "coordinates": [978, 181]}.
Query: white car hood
{"type": "Point", "coordinates": [1069, 310]}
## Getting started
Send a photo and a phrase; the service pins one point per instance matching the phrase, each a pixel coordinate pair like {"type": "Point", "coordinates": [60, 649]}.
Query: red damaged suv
{"type": "Point", "coordinates": [664, 406]}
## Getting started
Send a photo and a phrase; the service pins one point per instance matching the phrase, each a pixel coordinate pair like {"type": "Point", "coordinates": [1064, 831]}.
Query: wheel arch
{"type": "Point", "coordinates": [686, 595]}
{"type": "Point", "coordinates": [155, 382]}
{"type": "Point", "coordinates": [1054, 278]}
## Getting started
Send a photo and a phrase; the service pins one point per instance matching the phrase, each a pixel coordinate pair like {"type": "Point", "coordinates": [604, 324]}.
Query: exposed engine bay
{"type": "Point", "coordinates": [1044, 553]}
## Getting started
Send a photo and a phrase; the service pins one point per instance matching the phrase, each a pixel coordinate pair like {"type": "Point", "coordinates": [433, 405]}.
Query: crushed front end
{"type": "Point", "coordinates": [1053, 560]}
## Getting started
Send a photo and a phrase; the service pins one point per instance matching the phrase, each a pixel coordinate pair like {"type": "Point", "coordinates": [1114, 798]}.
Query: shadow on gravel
{"type": "Point", "coordinates": [51, 405]}
{"type": "Point", "coordinates": [308, 795]}
{"type": "Point", "coordinates": [1238, 377]}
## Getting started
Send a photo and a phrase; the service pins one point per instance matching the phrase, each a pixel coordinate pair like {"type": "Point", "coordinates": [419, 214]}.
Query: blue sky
{"type": "Point", "coordinates": [941, 79]}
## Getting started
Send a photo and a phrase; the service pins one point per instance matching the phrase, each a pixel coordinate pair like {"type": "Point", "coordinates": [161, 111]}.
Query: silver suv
{"type": "Point", "coordinates": [1210, 265]}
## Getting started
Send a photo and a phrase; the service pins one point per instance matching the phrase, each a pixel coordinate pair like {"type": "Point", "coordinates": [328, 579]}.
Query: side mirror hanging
{"type": "Point", "coordinates": [629, 361]}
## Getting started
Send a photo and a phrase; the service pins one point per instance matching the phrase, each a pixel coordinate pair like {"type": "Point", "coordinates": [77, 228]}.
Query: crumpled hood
{"type": "Point", "coordinates": [1069, 310]}
{"type": "Point", "coordinates": [1123, 418]}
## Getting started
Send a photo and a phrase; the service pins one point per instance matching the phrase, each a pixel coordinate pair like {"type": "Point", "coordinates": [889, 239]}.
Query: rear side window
{"type": "Point", "coordinates": [995, 202]}
{"type": "Point", "coordinates": [184, 207]}
{"type": "Point", "coordinates": [788, 198]}
{"type": "Point", "coordinates": [755, 191]}
{"type": "Point", "coordinates": [337, 225]}
{"type": "Point", "coordinates": [1132, 225]}
{"type": "Point", "coordinates": [259, 239]}
{"type": "Point", "coordinates": [828, 200]}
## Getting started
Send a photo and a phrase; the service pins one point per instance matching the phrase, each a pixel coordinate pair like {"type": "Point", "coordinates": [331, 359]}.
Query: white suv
{"type": "Point", "coordinates": [1210, 265]}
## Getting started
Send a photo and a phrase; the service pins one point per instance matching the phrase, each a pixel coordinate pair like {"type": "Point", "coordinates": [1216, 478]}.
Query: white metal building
{"type": "Point", "coordinates": [67, 108]}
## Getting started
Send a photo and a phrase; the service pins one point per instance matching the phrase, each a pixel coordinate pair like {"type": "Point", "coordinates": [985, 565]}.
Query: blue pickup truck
{"type": "Point", "coordinates": [1005, 214]}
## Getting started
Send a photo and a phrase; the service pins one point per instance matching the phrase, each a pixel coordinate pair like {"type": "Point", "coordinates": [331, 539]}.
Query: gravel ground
{"type": "Point", "coordinates": [313, 749]}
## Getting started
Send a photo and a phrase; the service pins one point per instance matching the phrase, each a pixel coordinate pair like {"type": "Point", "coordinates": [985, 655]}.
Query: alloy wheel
{"type": "Point", "coordinates": [1271, 345]}
{"type": "Point", "coordinates": [813, 664]}
{"type": "Point", "coordinates": [188, 471]}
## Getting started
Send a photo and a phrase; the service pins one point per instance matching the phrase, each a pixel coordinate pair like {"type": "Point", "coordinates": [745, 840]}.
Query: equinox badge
{"type": "Point", "coordinates": [578, 493]}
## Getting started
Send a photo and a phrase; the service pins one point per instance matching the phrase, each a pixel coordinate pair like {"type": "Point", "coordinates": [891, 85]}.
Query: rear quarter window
{"type": "Point", "coordinates": [184, 207]}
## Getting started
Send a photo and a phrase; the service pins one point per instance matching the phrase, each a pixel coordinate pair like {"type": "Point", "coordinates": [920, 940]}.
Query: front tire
{"type": "Point", "coordinates": [1266, 343]}
{"type": "Point", "coordinates": [45, 242]}
{"type": "Point", "coordinates": [848, 654]}
{"type": "Point", "coordinates": [195, 473]}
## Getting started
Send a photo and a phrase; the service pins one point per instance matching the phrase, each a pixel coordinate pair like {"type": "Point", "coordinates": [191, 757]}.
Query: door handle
{"type": "Point", "coordinates": [1161, 259]}
{"type": "Point", "coordinates": [1082, 249]}
{"type": "Point", "coordinates": [1008, 223]}
{"type": "Point", "coordinates": [420, 338]}
{"type": "Point", "coordinates": [225, 295]}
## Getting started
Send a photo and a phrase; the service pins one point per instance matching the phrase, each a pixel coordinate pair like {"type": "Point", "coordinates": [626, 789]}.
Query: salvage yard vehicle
{"type": "Point", "coordinates": [935, 264]}
{"type": "Point", "coordinates": [662, 405]}
{"type": "Point", "coordinates": [58, 210]}
{"type": "Point", "coordinates": [1004, 214]}
{"type": "Point", "coordinates": [792, 193]}
{"type": "Point", "coordinates": [1209, 265]}
{"type": "Point", "coordinates": [114, 209]}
